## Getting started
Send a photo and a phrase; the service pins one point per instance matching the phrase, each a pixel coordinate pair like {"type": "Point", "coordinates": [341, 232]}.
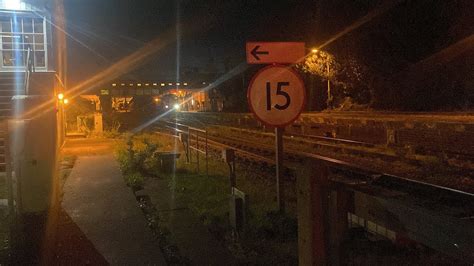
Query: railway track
{"type": "Point", "coordinates": [347, 170]}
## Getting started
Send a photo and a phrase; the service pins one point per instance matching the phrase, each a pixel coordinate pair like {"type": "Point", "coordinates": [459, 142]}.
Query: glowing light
{"type": "Point", "coordinates": [60, 96]}
{"type": "Point", "coordinates": [166, 106]}
{"type": "Point", "coordinates": [176, 106]}
{"type": "Point", "coordinates": [147, 84]}
{"type": "Point", "coordinates": [162, 84]}
{"type": "Point", "coordinates": [156, 99]}
{"type": "Point", "coordinates": [314, 50]}
{"type": "Point", "coordinates": [113, 84]}
{"type": "Point", "coordinates": [66, 101]}
{"type": "Point", "coordinates": [154, 84]}
{"type": "Point", "coordinates": [171, 84]}
{"type": "Point", "coordinates": [139, 84]}
{"type": "Point", "coordinates": [13, 4]}
{"type": "Point", "coordinates": [131, 84]}
{"type": "Point", "coordinates": [178, 83]}
{"type": "Point", "coordinates": [185, 84]}
{"type": "Point", "coordinates": [123, 84]}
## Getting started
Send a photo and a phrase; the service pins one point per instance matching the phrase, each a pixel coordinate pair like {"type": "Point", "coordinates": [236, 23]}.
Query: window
{"type": "Point", "coordinates": [18, 35]}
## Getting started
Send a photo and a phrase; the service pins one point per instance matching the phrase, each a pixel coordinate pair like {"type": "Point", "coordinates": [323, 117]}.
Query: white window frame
{"type": "Point", "coordinates": [21, 16]}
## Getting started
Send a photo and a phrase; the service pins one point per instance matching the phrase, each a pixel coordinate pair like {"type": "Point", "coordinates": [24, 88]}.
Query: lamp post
{"type": "Point", "coordinates": [329, 100]}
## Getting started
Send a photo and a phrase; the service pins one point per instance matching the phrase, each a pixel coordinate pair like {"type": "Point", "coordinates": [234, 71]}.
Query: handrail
{"type": "Point", "coordinates": [29, 67]}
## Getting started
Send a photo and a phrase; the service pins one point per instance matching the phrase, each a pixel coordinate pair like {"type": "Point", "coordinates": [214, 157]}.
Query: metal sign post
{"type": "Point", "coordinates": [279, 168]}
{"type": "Point", "coordinates": [276, 96]}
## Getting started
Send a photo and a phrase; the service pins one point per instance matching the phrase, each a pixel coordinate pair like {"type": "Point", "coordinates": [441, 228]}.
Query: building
{"type": "Point", "coordinates": [32, 84]}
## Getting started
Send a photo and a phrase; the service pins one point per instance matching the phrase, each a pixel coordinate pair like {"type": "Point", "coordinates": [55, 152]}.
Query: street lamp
{"type": "Point", "coordinates": [329, 100]}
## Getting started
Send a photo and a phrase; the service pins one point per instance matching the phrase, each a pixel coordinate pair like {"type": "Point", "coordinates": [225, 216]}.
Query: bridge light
{"type": "Point", "coordinates": [162, 84]}
{"type": "Point", "coordinates": [66, 101]}
{"type": "Point", "coordinates": [60, 96]}
{"type": "Point", "coordinates": [13, 4]}
{"type": "Point", "coordinates": [176, 106]}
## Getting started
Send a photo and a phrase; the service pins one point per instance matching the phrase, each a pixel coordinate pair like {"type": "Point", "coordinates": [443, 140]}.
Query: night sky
{"type": "Point", "coordinates": [214, 32]}
{"type": "Point", "coordinates": [114, 28]}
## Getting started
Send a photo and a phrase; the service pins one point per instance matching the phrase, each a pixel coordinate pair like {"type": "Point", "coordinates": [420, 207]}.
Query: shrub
{"type": "Point", "coordinates": [134, 180]}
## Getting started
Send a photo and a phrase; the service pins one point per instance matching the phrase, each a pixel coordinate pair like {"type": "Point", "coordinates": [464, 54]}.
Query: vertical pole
{"type": "Point", "coordinates": [207, 160]}
{"type": "Point", "coordinates": [312, 201]}
{"type": "Point", "coordinates": [339, 204]}
{"type": "Point", "coordinates": [329, 88]}
{"type": "Point", "coordinates": [279, 168]}
{"type": "Point", "coordinates": [197, 150]}
{"type": "Point", "coordinates": [8, 169]}
{"type": "Point", "coordinates": [188, 149]}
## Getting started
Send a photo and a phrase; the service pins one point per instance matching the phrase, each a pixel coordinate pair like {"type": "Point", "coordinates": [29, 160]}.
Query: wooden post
{"type": "Point", "coordinates": [312, 200]}
{"type": "Point", "coordinates": [207, 159]}
{"type": "Point", "coordinates": [279, 168]}
{"type": "Point", "coordinates": [197, 150]}
{"type": "Point", "coordinates": [188, 149]}
{"type": "Point", "coordinates": [339, 205]}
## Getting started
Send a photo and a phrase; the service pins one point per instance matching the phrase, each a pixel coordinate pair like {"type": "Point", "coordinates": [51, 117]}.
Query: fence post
{"type": "Point", "coordinates": [188, 150]}
{"type": "Point", "coordinates": [339, 205]}
{"type": "Point", "coordinates": [312, 204]}
{"type": "Point", "coordinates": [207, 159]}
{"type": "Point", "coordinates": [197, 150]}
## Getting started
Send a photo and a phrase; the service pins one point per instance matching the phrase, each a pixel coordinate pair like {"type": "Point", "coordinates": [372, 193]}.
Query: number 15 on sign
{"type": "Point", "coordinates": [276, 95]}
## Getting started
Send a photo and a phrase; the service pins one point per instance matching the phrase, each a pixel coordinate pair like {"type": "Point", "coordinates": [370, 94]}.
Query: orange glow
{"type": "Point", "coordinates": [66, 101]}
{"type": "Point", "coordinates": [60, 96]}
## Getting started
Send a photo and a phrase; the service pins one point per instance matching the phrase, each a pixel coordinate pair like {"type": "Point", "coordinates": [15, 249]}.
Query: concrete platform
{"type": "Point", "coordinates": [98, 201]}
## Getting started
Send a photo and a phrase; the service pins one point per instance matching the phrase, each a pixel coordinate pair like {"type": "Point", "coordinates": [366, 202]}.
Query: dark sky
{"type": "Point", "coordinates": [215, 31]}
{"type": "Point", "coordinates": [113, 28]}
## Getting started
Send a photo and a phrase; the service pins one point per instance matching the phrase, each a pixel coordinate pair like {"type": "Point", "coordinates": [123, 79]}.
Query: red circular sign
{"type": "Point", "coordinates": [276, 95]}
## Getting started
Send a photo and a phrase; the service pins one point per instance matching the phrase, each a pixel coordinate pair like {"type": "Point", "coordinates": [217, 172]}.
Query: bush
{"type": "Point", "coordinates": [134, 180]}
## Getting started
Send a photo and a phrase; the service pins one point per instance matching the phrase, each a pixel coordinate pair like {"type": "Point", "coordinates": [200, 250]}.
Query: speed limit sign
{"type": "Point", "coordinates": [276, 95]}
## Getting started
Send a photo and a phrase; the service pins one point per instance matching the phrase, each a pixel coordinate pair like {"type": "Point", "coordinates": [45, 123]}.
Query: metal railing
{"type": "Point", "coordinates": [191, 137]}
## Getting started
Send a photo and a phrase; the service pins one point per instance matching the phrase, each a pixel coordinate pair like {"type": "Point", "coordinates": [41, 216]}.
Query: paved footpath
{"type": "Point", "coordinates": [105, 210]}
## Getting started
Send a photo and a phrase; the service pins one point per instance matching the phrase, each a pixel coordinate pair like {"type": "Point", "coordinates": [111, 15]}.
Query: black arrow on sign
{"type": "Point", "coordinates": [256, 53]}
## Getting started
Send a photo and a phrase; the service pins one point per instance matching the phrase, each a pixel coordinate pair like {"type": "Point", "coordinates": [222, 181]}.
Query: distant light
{"type": "Point", "coordinates": [131, 84]}
{"type": "Point", "coordinates": [314, 50]}
{"type": "Point", "coordinates": [154, 84]}
{"type": "Point", "coordinates": [178, 83]}
{"type": "Point", "coordinates": [192, 102]}
{"type": "Point", "coordinates": [123, 84]}
{"type": "Point", "coordinates": [139, 84]}
{"type": "Point", "coordinates": [166, 106]}
{"type": "Point", "coordinates": [162, 84]}
{"type": "Point", "coordinates": [176, 106]}
{"type": "Point", "coordinates": [156, 99]}
{"type": "Point", "coordinates": [113, 84]}
{"type": "Point", "coordinates": [147, 84]}
{"type": "Point", "coordinates": [204, 83]}
{"type": "Point", "coordinates": [171, 84]}
{"type": "Point", "coordinates": [60, 96]}
{"type": "Point", "coordinates": [185, 84]}
{"type": "Point", "coordinates": [66, 101]}
{"type": "Point", "coordinates": [13, 4]}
